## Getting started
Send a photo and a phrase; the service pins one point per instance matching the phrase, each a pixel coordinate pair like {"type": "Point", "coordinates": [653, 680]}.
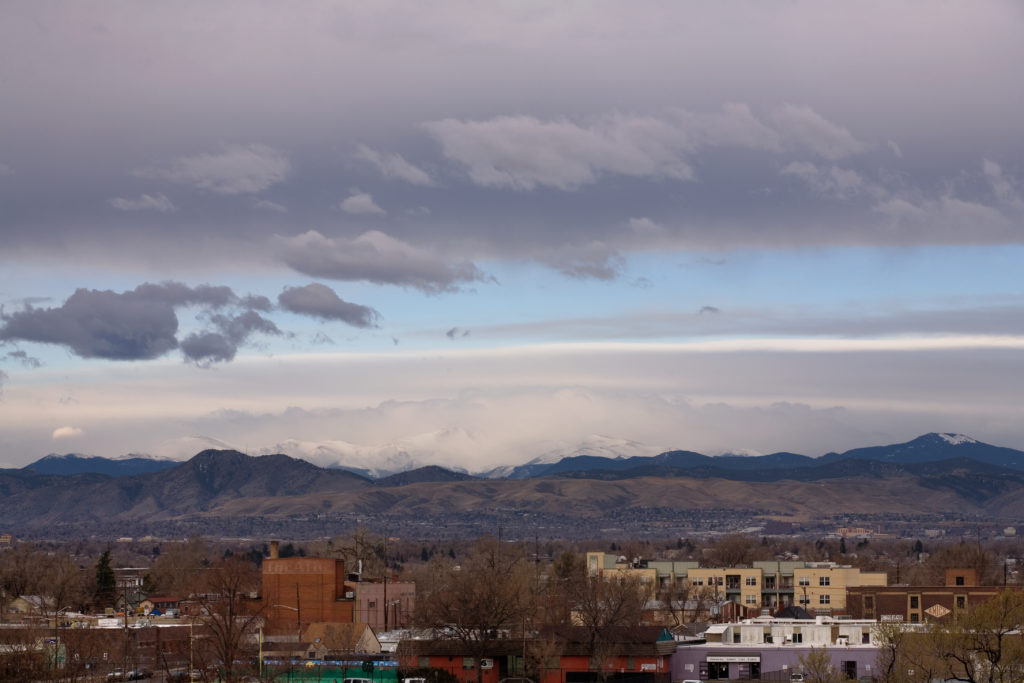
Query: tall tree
{"type": "Point", "coordinates": [106, 582]}
{"type": "Point", "coordinates": [476, 600]}
{"type": "Point", "coordinates": [228, 616]}
{"type": "Point", "coordinates": [604, 606]}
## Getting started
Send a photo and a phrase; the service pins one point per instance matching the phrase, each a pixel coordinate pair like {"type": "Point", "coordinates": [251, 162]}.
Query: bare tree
{"type": "Point", "coordinates": [480, 599]}
{"type": "Point", "coordinates": [228, 616]}
{"type": "Point", "coordinates": [603, 606]}
{"type": "Point", "coordinates": [180, 566]}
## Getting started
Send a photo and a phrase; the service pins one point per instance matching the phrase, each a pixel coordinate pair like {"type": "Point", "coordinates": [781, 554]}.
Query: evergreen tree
{"type": "Point", "coordinates": [106, 582]}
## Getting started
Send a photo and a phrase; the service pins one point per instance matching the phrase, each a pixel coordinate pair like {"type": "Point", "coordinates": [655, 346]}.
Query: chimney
{"type": "Point", "coordinates": [273, 550]}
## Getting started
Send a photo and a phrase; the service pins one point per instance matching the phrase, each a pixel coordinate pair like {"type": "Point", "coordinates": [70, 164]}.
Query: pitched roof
{"type": "Point", "coordinates": [335, 635]}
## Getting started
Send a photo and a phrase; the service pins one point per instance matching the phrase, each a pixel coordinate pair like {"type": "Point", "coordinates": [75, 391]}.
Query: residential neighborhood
{"type": "Point", "coordinates": [496, 613]}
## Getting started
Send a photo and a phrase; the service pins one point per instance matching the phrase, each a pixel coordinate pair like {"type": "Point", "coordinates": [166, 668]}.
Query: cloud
{"type": "Point", "coordinates": [374, 257]}
{"type": "Point", "coordinates": [805, 127]}
{"type": "Point", "coordinates": [3, 380]}
{"type": "Point", "coordinates": [139, 324]}
{"type": "Point", "coordinates": [709, 310]}
{"type": "Point", "coordinates": [394, 166]}
{"type": "Point", "coordinates": [23, 358]}
{"type": "Point", "coordinates": [67, 432]}
{"type": "Point", "coordinates": [100, 324]}
{"type": "Point", "coordinates": [524, 152]}
{"type": "Point", "coordinates": [1003, 186]}
{"type": "Point", "coordinates": [146, 202]}
{"type": "Point", "coordinates": [265, 205]}
{"type": "Point", "coordinates": [221, 344]}
{"type": "Point", "coordinates": [596, 261]}
{"type": "Point", "coordinates": [456, 333]}
{"type": "Point", "coordinates": [6, 170]}
{"type": "Point", "coordinates": [830, 181]}
{"type": "Point", "coordinates": [236, 169]}
{"type": "Point", "coordinates": [361, 203]}
{"type": "Point", "coordinates": [321, 301]}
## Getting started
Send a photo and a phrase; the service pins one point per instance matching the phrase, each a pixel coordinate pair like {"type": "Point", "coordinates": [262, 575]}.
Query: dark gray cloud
{"type": "Point", "coordinates": [178, 294]}
{"type": "Point", "coordinates": [321, 301]}
{"type": "Point", "coordinates": [374, 257]}
{"type": "Point", "coordinates": [222, 343]}
{"type": "Point", "coordinates": [709, 309]}
{"type": "Point", "coordinates": [456, 333]}
{"type": "Point", "coordinates": [139, 324]}
{"type": "Point", "coordinates": [100, 324]}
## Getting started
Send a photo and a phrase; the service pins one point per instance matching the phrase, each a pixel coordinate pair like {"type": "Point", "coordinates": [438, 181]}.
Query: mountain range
{"type": "Point", "coordinates": [932, 474]}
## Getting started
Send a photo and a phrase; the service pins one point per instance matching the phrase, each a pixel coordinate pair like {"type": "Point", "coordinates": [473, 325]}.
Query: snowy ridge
{"type": "Point", "coordinates": [956, 439]}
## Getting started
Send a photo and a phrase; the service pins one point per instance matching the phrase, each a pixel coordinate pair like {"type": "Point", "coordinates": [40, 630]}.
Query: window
{"type": "Point", "coordinates": [959, 580]}
{"type": "Point", "coordinates": [698, 581]}
{"type": "Point", "coordinates": [915, 618]}
{"type": "Point", "coordinates": [869, 602]}
{"type": "Point", "coordinates": [798, 637]}
{"type": "Point", "coordinates": [824, 599]}
{"type": "Point", "coordinates": [961, 602]}
{"type": "Point", "coordinates": [718, 580]}
{"type": "Point", "coordinates": [805, 581]}
{"type": "Point", "coordinates": [371, 604]}
{"type": "Point", "coordinates": [751, 581]}
{"type": "Point", "coordinates": [915, 602]}
{"type": "Point", "coordinates": [467, 663]}
{"type": "Point", "coordinates": [824, 580]}
{"type": "Point", "coordinates": [865, 637]}
{"type": "Point", "coordinates": [751, 599]}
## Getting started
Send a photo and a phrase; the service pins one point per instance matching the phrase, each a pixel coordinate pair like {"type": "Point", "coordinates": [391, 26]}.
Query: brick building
{"type": "Point", "coordinates": [298, 591]}
{"type": "Point", "coordinates": [385, 606]}
{"type": "Point", "coordinates": [918, 604]}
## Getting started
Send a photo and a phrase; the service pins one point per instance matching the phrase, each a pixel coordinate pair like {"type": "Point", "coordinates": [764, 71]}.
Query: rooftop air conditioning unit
{"type": "Point", "coordinates": [350, 595]}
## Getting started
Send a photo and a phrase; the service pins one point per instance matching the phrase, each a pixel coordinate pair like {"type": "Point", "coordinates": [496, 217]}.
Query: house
{"type": "Point", "coordinates": [324, 640]}
{"type": "Point", "coordinates": [770, 648]}
{"type": "Point", "coordinates": [159, 605]}
{"type": "Point", "coordinates": [29, 604]}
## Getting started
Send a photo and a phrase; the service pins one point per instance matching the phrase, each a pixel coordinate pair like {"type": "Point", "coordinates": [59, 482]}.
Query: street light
{"type": "Point", "coordinates": [298, 620]}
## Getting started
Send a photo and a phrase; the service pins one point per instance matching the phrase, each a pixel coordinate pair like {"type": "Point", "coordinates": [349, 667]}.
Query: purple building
{"type": "Point", "coordinates": [772, 649]}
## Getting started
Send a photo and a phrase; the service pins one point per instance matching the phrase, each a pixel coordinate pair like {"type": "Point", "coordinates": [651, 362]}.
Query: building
{"type": "Point", "coordinates": [298, 591]}
{"type": "Point", "coordinates": [769, 648]}
{"type": "Point", "coordinates": [338, 641]}
{"type": "Point", "coordinates": [818, 587]}
{"type": "Point", "coordinates": [385, 606]}
{"type": "Point", "coordinates": [637, 655]}
{"type": "Point", "coordinates": [919, 604]}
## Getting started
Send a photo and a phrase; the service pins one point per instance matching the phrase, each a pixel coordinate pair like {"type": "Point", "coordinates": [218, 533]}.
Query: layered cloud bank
{"type": "Point", "coordinates": [202, 193]}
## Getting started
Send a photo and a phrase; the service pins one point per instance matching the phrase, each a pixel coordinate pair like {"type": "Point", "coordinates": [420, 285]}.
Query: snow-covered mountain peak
{"type": "Point", "coordinates": [956, 439]}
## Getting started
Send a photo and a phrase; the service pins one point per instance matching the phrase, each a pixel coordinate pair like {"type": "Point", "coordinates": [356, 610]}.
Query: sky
{"type": "Point", "coordinates": [473, 234]}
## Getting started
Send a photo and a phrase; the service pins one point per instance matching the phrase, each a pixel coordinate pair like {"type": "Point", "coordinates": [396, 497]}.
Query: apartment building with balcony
{"type": "Point", "coordinates": [818, 587]}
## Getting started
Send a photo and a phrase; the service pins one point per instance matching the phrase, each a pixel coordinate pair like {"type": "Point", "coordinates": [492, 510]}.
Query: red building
{"type": "Point", "coordinates": [637, 655]}
{"type": "Point", "coordinates": [298, 591]}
